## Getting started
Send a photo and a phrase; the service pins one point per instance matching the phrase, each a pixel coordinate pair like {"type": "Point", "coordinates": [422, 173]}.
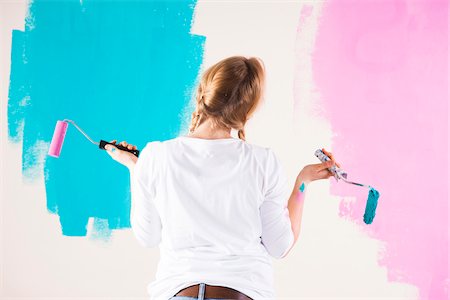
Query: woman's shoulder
{"type": "Point", "coordinates": [257, 149]}
{"type": "Point", "coordinates": [150, 148]}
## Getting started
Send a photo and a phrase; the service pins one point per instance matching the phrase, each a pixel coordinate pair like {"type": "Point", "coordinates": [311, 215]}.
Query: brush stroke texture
{"type": "Point", "coordinates": [381, 68]}
{"type": "Point", "coordinates": [121, 70]}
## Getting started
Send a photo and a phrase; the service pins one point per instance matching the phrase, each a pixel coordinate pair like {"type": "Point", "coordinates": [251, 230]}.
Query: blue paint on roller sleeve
{"type": "Point", "coordinates": [121, 70]}
{"type": "Point", "coordinates": [371, 205]}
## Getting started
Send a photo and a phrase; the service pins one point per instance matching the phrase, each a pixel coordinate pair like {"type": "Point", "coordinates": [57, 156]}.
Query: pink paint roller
{"type": "Point", "coordinates": [60, 133]}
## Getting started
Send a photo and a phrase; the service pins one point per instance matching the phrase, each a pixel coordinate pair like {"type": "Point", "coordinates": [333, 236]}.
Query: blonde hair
{"type": "Point", "coordinates": [229, 92]}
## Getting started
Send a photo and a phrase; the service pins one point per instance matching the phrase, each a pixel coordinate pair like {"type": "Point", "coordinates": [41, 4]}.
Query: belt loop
{"type": "Point", "coordinates": [201, 291]}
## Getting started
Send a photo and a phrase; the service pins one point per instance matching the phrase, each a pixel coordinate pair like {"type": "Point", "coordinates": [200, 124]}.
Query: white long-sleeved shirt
{"type": "Point", "coordinates": [218, 211]}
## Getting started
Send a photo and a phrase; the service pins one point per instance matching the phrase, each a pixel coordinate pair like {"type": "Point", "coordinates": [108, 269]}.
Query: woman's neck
{"type": "Point", "coordinates": [207, 131]}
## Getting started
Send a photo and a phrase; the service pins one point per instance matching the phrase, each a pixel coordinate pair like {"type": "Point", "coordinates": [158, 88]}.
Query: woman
{"type": "Point", "coordinates": [218, 207]}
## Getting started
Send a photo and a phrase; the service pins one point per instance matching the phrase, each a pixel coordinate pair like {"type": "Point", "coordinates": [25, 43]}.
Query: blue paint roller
{"type": "Point", "coordinates": [372, 199]}
{"type": "Point", "coordinates": [60, 133]}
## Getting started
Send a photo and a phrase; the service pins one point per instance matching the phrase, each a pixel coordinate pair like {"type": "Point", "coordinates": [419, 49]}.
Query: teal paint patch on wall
{"type": "Point", "coordinates": [121, 70]}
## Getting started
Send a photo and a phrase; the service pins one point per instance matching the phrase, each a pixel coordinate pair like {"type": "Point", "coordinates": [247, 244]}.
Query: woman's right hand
{"type": "Point", "coordinates": [124, 157]}
{"type": "Point", "coordinates": [317, 171]}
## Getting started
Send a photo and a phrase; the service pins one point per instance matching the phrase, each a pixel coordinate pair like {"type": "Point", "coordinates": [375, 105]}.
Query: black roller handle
{"type": "Point", "coordinates": [104, 143]}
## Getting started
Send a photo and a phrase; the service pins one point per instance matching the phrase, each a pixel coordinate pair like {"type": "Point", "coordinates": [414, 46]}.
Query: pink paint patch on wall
{"type": "Point", "coordinates": [381, 68]}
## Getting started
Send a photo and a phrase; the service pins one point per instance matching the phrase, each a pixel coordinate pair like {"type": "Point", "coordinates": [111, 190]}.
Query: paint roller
{"type": "Point", "coordinates": [60, 133]}
{"type": "Point", "coordinates": [372, 199]}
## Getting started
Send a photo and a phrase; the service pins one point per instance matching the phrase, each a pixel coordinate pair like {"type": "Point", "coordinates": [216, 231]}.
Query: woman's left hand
{"type": "Point", "coordinates": [127, 159]}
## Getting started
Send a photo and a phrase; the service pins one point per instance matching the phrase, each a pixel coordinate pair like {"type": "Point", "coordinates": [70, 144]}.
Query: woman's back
{"type": "Point", "coordinates": [217, 210]}
{"type": "Point", "coordinates": [217, 206]}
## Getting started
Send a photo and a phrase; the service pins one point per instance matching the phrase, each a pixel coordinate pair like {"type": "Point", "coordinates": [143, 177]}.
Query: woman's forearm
{"type": "Point", "coordinates": [131, 163]}
{"type": "Point", "coordinates": [295, 207]}
{"type": "Point", "coordinates": [131, 167]}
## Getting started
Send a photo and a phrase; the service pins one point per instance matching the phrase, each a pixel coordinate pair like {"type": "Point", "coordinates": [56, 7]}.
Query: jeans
{"type": "Point", "coordinates": [201, 295]}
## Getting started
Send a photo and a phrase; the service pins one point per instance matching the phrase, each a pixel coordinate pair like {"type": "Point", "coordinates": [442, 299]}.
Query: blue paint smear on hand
{"type": "Point", "coordinates": [121, 70]}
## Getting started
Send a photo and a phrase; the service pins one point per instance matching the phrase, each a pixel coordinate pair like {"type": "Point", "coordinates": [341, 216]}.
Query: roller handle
{"type": "Point", "coordinates": [337, 172]}
{"type": "Point", "coordinates": [103, 143]}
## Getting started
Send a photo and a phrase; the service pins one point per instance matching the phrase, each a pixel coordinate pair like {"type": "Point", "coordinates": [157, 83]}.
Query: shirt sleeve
{"type": "Point", "coordinates": [277, 236]}
{"type": "Point", "coordinates": [144, 218]}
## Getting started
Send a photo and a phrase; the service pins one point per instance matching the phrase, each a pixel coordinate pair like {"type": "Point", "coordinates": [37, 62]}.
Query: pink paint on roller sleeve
{"type": "Point", "coordinates": [58, 139]}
